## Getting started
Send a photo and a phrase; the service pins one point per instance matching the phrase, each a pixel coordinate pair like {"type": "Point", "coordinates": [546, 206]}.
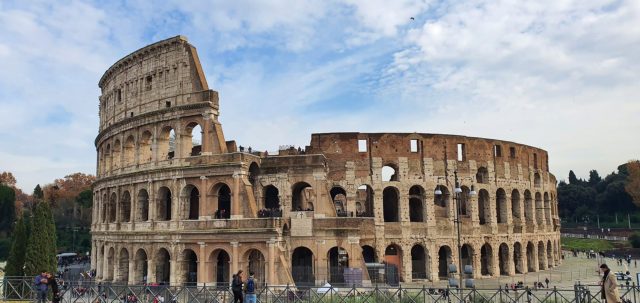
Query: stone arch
{"type": "Point", "coordinates": [515, 204]}
{"type": "Point", "coordinates": [501, 206]}
{"type": "Point", "coordinates": [271, 197]}
{"type": "Point", "coordinates": [191, 202]}
{"type": "Point", "coordinates": [189, 267]}
{"type": "Point", "coordinates": [503, 259]}
{"type": "Point", "coordinates": [528, 206]}
{"type": "Point", "coordinates": [441, 201]}
{"type": "Point", "coordinates": [339, 199]}
{"type": "Point", "coordinates": [416, 204]}
{"type": "Point", "coordinates": [364, 201]}
{"type": "Point", "coordinates": [125, 207]}
{"type": "Point", "coordinates": [393, 259]}
{"type": "Point", "coordinates": [482, 176]}
{"type": "Point", "coordinates": [166, 143]}
{"type": "Point", "coordinates": [484, 207]}
{"type": "Point", "coordinates": [112, 207]}
{"type": "Point", "coordinates": [465, 201]}
{"type": "Point", "coordinates": [537, 181]}
{"type": "Point", "coordinates": [220, 261]}
{"type": "Point", "coordinates": [390, 205]}
{"type": "Point", "coordinates": [541, 255]}
{"type": "Point", "coordinates": [191, 139]}
{"type": "Point", "coordinates": [162, 260]}
{"type": "Point", "coordinates": [486, 260]}
{"type": "Point", "coordinates": [129, 151]}
{"type": "Point", "coordinates": [140, 267]}
{"type": "Point", "coordinates": [142, 212]}
{"type": "Point", "coordinates": [444, 259]}
{"type": "Point", "coordinates": [539, 213]}
{"type": "Point", "coordinates": [302, 197]}
{"type": "Point", "coordinates": [531, 265]}
{"type": "Point", "coordinates": [254, 173]}
{"type": "Point", "coordinates": [547, 208]}
{"type": "Point", "coordinates": [111, 256]}
{"type": "Point", "coordinates": [369, 254]}
{"type": "Point", "coordinates": [389, 172]}
{"type": "Point", "coordinates": [337, 261]}
{"type": "Point", "coordinates": [466, 255]}
{"type": "Point", "coordinates": [256, 264]}
{"type": "Point", "coordinates": [302, 266]}
{"type": "Point", "coordinates": [123, 266]}
{"type": "Point", "coordinates": [116, 155]}
{"type": "Point", "coordinates": [419, 262]}
{"type": "Point", "coordinates": [145, 153]}
{"type": "Point", "coordinates": [549, 254]}
{"type": "Point", "coordinates": [517, 258]}
{"type": "Point", "coordinates": [221, 193]}
{"type": "Point", "coordinates": [164, 204]}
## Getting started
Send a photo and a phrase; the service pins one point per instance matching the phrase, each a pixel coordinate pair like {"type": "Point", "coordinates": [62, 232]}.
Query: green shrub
{"type": "Point", "coordinates": [634, 239]}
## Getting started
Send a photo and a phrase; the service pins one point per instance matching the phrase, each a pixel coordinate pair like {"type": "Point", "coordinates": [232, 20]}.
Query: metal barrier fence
{"type": "Point", "coordinates": [23, 289]}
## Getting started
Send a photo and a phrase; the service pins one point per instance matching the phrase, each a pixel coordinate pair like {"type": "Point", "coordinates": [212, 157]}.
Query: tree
{"type": "Point", "coordinates": [38, 194]}
{"type": "Point", "coordinates": [15, 263]}
{"type": "Point", "coordinates": [572, 178]}
{"type": "Point", "coordinates": [7, 208]}
{"type": "Point", "coordinates": [632, 185]}
{"type": "Point", "coordinates": [41, 247]}
{"type": "Point", "coordinates": [594, 177]}
{"type": "Point", "coordinates": [8, 179]}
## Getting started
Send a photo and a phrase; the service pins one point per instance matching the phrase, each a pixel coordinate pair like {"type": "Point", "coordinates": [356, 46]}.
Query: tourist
{"type": "Point", "coordinates": [609, 285]}
{"type": "Point", "coordinates": [41, 286]}
{"type": "Point", "coordinates": [54, 287]}
{"type": "Point", "coordinates": [251, 289]}
{"type": "Point", "coordinates": [546, 280]}
{"type": "Point", "coordinates": [236, 287]}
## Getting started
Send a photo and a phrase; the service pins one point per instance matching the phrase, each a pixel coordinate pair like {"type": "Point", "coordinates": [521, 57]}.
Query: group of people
{"type": "Point", "coordinates": [43, 282]}
{"type": "Point", "coordinates": [270, 213]}
{"type": "Point", "coordinates": [237, 287]}
{"type": "Point", "coordinates": [222, 214]}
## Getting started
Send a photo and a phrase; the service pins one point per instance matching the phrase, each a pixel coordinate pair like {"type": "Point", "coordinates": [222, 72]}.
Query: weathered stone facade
{"type": "Point", "coordinates": [171, 209]}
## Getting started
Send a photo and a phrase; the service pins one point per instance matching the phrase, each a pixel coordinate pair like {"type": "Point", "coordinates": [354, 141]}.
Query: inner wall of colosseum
{"type": "Point", "coordinates": [177, 203]}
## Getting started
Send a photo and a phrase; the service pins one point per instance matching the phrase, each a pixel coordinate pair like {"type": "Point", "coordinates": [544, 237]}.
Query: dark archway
{"type": "Point", "coordinates": [164, 204]}
{"type": "Point", "coordinates": [271, 197]}
{"type": "Point", "coordinates": [501, 206]}
{"type": "Point", "coordinates": [418, 262]}
{"type": "Point", "coordinates": [503, 259]}
{"type": "Point", "coordinates": [302, 197]}
{"type": "Point", "coordinates": [549, 254]}
{"type": "Point", "coordinates": [528, 206]}
{"type": "Point", "coordinates": [541, 256]}
{"type": "Point", "coordinates": [484, 207]}
{"type": "Point", "coordinates": [220, 260]}
{"type": "Point", "coordinates": [364, 201]}
{"type": "Point", "coordinates": [467, 255]}
{"type": "Point", "coordinates": [416, 202]}
{"type": "Point", "coordinates": [482, 176]}
{"type": "Point", "coordinates": [338, 260]}
{"type": "Point", "coordinates": [143, 205]}
{"type": "Point", "coordinates": [125, 207]}
{"type": "Point", "coordinates": [193, 195]}
{"type": "Point", "coordinates": [140, 267]}
{"type": "Point", "coordinates": [163, 267]}
{"type": "Point", "coordinates": [517, 258]}
{"type": "Point", "coordinates": [486, 260]}
{"type": "Point", "coordinates": [393, 260]}
{"type": "Point", "coordinates": [441, 201]}
{"type": "Point", "coordinates": [515, 204]}
{"type": "Point", "coordinates": [302, 267]}
{"type": "Point", "coordinates": [531, 258]}
{"type": "Point", "coordinates": [339, 198]}
{"type": "Point", "coordinates": [390, 204]}
{"type": "Point", "coordinates": [369, 254]}
{"type": "Point", "coordinates": [190, 264]}
{"type": "Point", "coordinates": [444, 259]}
{"type": "Point", "coordinates": [224, 202]}
{"type": "Point", "coordinates": [256, 265]}
{"type": "Point", "coordinates": [254, 172]}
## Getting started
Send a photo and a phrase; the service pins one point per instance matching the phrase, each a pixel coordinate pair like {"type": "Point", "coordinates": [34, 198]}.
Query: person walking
{"type": "Point", "coordinates": [609, 285]}
{"type": "Point", "coordinates": [41, 287]}
{"type": "Point", "coordinates": [250, 289]}
{"type": "Point", "coordinates": [54, 288]}
{"type": "Point", "coordinates": [546, 281]}
{"type": "Point", "coordinates": [236, 287]}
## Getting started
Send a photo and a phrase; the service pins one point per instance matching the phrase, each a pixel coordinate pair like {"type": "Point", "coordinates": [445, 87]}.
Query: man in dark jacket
{"type": "Point", "coordinates": [236, 287]}
{"type": "Point", "coordinates": [54, 288]}
{"type": "Point", "coordinates": [41, 286]}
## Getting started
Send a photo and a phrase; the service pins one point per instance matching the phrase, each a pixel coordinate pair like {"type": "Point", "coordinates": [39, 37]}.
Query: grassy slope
{"type": "Point", "coordinates": [588, 244]}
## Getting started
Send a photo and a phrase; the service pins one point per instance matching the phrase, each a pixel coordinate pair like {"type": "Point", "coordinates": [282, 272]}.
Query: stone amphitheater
{"type": "Point", "coordinates": [176, 202]}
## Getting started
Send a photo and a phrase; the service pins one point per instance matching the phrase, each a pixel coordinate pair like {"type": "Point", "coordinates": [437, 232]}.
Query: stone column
{"type": "Point", "coordinates": [271, 244]}
{"type": "Point", "coordinates": [206, 136]}
{"type": "Point", "coordinates": [132, 268]}
{"type": "Point", "coordinates": [534, 258]}
{"type": "Point", "coordinates": [99, 261]}
{"type": "Point", "coordinates": [236, 212]}
{"type": "Point", "coordinates": [234, 257]}
{"type": "Point", "coordinates": [105, 264]}
{"type": "Point", "coordinates": [151, 270]}
{"type": "Point", "coordinates": [202, 264]}
{"type": "Point", "coordinates": [406, 264]}
{"type": "Point", "coordinates": [495, 257]}
{"type": "Point", "coordinates": [511, 270]}
{"type": "Point", "coordinates": [477, 262]}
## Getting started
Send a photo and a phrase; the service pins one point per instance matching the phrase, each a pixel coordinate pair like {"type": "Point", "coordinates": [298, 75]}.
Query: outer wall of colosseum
{"type": "Point", "coordinates": [175, 202]}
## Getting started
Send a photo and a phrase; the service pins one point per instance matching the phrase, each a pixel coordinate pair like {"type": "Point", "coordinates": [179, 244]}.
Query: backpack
{"type": "Point", "coordinates": [250, 286]}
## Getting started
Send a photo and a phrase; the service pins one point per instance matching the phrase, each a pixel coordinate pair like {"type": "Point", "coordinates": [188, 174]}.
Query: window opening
{"type": "Point", "coordinates": [362, 146]}
{"type": "Point", "coordinates": [413, 145]}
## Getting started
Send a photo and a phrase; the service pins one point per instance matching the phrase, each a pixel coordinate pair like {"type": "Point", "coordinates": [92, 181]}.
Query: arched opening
{"type": "Point", "coordinates": [486, 260]}
{"type": "Point", "coordinates": [256, 265]}
{"type": "Point", "coordinates": [192, 140]}
{"type": "Point", "coordinates": [482, 176]}
{"type": "Point", "coordinates": [369, 254]}
{"type": "Point", "coordinates": [503, 259]}
{"type": "Point", "coordinates": [549, 255]}
{"type": "Point", "coordinates": [465, 201]}
{"type": "Point", "coordinates": [539, 210]}
{"type": "Point", "coordinates": [418, 262]}
{"type": "Point", "coordinates": [444, 259]}
{"type": "Point", "coordinates": [537, 182]}
{"type": "Point", "coordinates": [125, 207]}
{"type": "Point", "coordinates": [129, 151]}
{"type": "Point", "coordinates": [515, 204]}
{"type": "Point", "coordinates": [220, 261]}
{"type": "Point", "coordinates": [164, 204]}
{"type": "Point", "coordinates": [466, 256]}
{"type": "Point", "coordinates": [302, 197]}
{"type": "Point", "coordinates": [254, 173]}
{"type": "Point", "coordinates": [140, 267]}
{"type": "Point", "coordinates": [105, 209]}
{"type": "Point", "coordinates": [528, 207]}
{"type": "Point", "coordinates": [107, 159]}
{"type": "Point", "coordinates": [517, 258]}
{"type": "Point", "coordinates": [190, 267]}
{"type": "Point", "coordinates": [547, 208]}
{"type": "Point", "coordinates": [441, 202]}
{"type": "Point", "coordinates": [163, 267]}
{"type": "Point", "coordinates": [484, 207]}
{"type": "Point", "coordinates": [531, 258]}
{"type": "Point", "coordinates": [416, 209]}
{"type": "Point", "coordinates": [123, 266]}
{"type": "Point", "coordinates": [338, 260]}
{"type": "Point", "coordinates": [390, 204]}
{"type": "Point", "coordinates": [364, 201]}
{"type": "Point", "coordinates": [166, 143]}
{"type": "Point", "coordinates": [541, 256]}
{"type": "Point", "coordinates": [142, 213]}
{"type": "Point", "coordinates": [389, 173]}
{"type": "Point", "coordinates": [116, 155]}
{"type": "Point", "coordinates": [112, 208]}
{"type": "Point", "coordinates": [110, 264]}
{"type": "Point", "coordinates": [302, 267]}
{"type": "Point", "coordinates": [501, 205]}
{"type": "Point", "coordinates": [144, 146]}
{"type": "Point", "coordinates": [339, 198]}
{"type": "Point", "coordinates": [193, 194]}
{"type": "Point", "coordinates": [393, 259]}
{"type": "Point", "coordinates": [224, 202]}
{"type": "Point", "coordinates": [271, 203]}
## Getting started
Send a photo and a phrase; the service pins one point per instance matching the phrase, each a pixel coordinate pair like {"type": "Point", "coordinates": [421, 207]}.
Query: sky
{"type": "Point", "coordinates": [560, 75]}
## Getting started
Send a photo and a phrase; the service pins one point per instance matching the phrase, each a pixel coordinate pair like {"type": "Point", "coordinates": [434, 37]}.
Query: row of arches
{"type": "Point", "coordinates": [140, 148]}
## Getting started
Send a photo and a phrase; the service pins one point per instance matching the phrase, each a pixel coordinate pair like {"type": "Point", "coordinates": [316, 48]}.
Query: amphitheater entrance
{"type": "Point", "coordinates": [220, 261]}
{"type": "Point", "coordinates": [369, 254]}
{"type": "Point", "coordinates": [393, 259]}
{"type": "Point", "coordinates": [531, 258]}
{"type": "Point", "coordinates": [302, 267]}
{"type": "Point", "coordinates": [466, 256]}
{"type": "Point", "coordinates": [418, 263]}
{"type": "Point", "coordinates": [486, 260]}
{"type": "Point", "coordinates": [338, 260]}
{"type": "Point", "coordinates": [123, 266]}
{"type": "Point", "coordinates": [444, 259]}
{"type": "Point", "coordinates": [503, 259]}
{"type": "Point", "coordinates": [140, 267]}
{"type": "Point", "coordinates": [190, 267]}
{"type": "Point", "coordinates": [517, 258]}
{"type": "Point", "coordinates": [256, 265]}
{"type": "Point", "coordinates": [163, 267]}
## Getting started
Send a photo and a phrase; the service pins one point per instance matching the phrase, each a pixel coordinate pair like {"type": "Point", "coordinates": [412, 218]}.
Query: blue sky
{"type": "Point", "coordinates": [560, 75]}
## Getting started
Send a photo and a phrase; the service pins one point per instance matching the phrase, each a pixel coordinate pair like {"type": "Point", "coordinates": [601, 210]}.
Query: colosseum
{"type": "Point", "coordinates": [176, 202]}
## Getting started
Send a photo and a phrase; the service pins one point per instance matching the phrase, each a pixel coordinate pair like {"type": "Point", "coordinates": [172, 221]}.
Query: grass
{"type": "Point", "coordinates": [587, 244]}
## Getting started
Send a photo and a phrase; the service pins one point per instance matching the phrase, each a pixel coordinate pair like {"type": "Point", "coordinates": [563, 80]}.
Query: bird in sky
{"type": "Point", "coordinates": [412, 18]}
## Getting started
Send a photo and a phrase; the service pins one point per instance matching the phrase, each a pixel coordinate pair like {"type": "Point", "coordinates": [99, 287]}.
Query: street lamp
{"type": "Point", "coordinates": [457, 190]}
